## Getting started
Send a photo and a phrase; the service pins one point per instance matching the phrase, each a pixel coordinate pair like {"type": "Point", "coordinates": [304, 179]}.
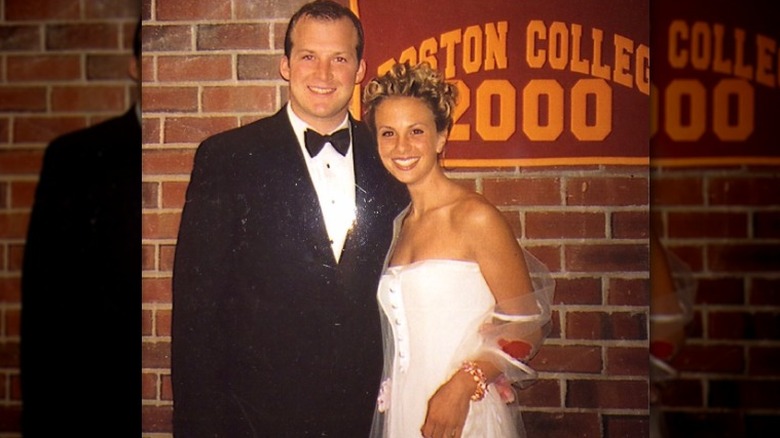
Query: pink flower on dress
{"type": "Point", "coordinates": [383, 400]}
{"type": "Point", "coordinates": [504, 388]}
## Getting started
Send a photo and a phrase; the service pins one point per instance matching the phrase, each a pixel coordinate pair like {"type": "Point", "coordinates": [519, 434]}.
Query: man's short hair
{"type": "Point", "coordinates": [324, 10]}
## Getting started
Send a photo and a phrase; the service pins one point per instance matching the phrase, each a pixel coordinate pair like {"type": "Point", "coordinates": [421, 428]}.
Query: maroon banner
{"type": "Point", "coordinates": [542, 82]}
{"type": "Point", "coordinates": [714, 82]}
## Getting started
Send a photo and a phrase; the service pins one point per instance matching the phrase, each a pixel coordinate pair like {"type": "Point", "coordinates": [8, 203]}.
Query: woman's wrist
{"type": "Point", "coordinates": [477, 375]}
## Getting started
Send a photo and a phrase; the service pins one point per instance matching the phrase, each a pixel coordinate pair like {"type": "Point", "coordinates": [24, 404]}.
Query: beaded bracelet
{"type": "Point", "coordinates": [478, 375]}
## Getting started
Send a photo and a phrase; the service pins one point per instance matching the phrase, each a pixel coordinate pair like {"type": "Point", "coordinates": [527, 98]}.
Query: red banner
{"type": "Point", "coordinates": [715, 82]}
{"type": "Point", "coordinates": [546, 82]}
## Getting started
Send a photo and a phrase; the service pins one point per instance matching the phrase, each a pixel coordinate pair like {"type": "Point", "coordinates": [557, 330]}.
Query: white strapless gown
{"type": "Point", "coordinates": [434, 309]}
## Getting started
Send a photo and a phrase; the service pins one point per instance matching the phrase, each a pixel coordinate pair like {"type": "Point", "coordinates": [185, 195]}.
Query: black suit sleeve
{"type": "Point", "coordinates": [200, 268]}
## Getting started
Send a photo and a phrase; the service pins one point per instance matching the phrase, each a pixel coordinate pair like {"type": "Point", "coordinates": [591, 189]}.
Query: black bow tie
{"type": "Point", "coordinates": [315, 142]}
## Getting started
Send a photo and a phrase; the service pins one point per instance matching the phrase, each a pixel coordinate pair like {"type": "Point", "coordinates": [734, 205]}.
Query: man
{"type": "Point", "coordinates": [81, 283]}
{"type": "Point", "coordinates": [275, 322]}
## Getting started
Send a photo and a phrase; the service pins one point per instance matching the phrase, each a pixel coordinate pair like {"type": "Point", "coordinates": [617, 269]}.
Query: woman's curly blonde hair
{"type": "Point", "coordinates": [419, 81]}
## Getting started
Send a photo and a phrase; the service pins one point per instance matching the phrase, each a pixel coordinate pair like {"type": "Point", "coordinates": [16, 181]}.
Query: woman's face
{"type": "Point", "coordinates": [407, 139]}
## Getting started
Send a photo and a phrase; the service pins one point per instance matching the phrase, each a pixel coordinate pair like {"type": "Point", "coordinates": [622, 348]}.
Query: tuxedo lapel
{"type": "Point", "coordinates": [299, 190]}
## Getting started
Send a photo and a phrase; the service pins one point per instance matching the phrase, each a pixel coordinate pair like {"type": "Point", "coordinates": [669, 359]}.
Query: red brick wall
{"type": "Point", "coordinates": [724, 223]}
{"type": "Point", "coordinates": [63, 66]}
{"type": "Point", "coordinates": [210, 65]}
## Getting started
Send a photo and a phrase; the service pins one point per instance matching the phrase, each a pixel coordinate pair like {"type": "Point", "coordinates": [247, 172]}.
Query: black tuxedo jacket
{"type": "Point", "coordinates": [271, 336]}
{"type": "Point", "coordinates": [81, 286]}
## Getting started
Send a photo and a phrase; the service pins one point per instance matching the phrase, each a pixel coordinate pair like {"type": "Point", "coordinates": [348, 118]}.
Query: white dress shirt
{"type": "Point", "coordinates": [333, 176]}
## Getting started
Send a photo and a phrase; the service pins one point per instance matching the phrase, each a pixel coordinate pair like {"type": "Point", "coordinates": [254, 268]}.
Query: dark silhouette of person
{"type": "Point", "coordinates": [81, 283]}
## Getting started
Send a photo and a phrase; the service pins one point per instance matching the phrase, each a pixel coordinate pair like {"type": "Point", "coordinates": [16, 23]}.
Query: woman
{"type": "Point", "coordinates": [461, 312]}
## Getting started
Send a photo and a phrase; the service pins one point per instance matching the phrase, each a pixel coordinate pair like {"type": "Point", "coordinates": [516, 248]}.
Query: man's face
{"type": "Point", "coordinates": [322, 70]}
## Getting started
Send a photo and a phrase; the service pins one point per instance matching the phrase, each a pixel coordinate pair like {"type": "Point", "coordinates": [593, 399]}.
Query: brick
{"type": "Point", "coordinates": [250, 9]}
{"type": "Point", "coordinates": [22, 99]}
{"type": "Point", "coordinates": [5, 132]}
{"type": "Point", "coordinates": [258, 67]}
{"type": "Point", "coordinates": [16, 388]}
{"type": "Point", "coordinates": [43, 68]}
{"type": "Point", "coordinates": [42, 10]}
{"type": "Point", "coordinates": [163, 327]}
{"type": "Point", "coordinates": [676, 191]}
{"type": "Point", "coordinates": [151, 130]}
{"type": "Point", "coordinates": [195, 129]}
{"type": "Point", "coordinates": [20, 162]}
{"type": "Point", "coordinates": [619, 426]}
{"type": "Point", "coordinates": [19, 38]}
{"type": "Point", "coordinates": [147, 324]}
{"type": "Point", "coordinates": [682, 393]}
{"type": "Point", "coordinates": [22, 193]}
{"type": "Point", "coordinates": [103, 9]}
{"type": "Point", "coordinates": [522, 192]}
{"type": "Point", "coordinates": [766, 224]}
{"type": "Point", "coordinates": [710, 359]}
{"type": "Point", "coordinates": [568, 358]}
{"type": "Point", "coordinates": [744, 191]}
{"type": "Point", "coordinates": [148, 254]}
{"type": "Point", "coordinates": [744, 258]}
{"type": "Point", "coordinates": [607, 394]}
{"type": "Point", "coordinates": [107, 67]}
{"type": "Point", "coordinates": [149, 386]}
{"type": "Point", "coordinates": [626, 361]}
{"type": "Point", "coordinates": [9, 354]}
{"type": "Point", "coordinates": [155, 354]}
{"type": "Point", "coordinates": [692, 256]}
{"type": "Point", "coordinates": [707, 225]}
{"type": "Point", "coordinates": [11, 417]}
{"type": "Point", "coordinates": [170, 99]}
{"type": "Point", "coordinates": [194, 68]}
{"type": "Point", "coordinates": [549, 255]}
{"type": "Point", "coordinates": [764, 394]}
{"type": "Point", "coordinates": [172, 10]}
{"type": "Point", "coordinates": [10, 289]}
{"type": "Point", "coordinates": [157, 419]}
{"type": "Point", "coordinates": [628, 292]}
{"type": "Point", "coordinates": [607, 258]}
{"type": "Point", "coordinates": [233, 37]}
{"type": "Point", "coordinates": [555, 330]}
{"type": "Point", "coordinates": [15, 257]}
{"type": "Point", "coordinates": [698, 424]}
{"type": "Point", "coordinates": [150, 194]}
{"type": "Point", "coordinates": [14, 225]}
{"type": "Point", "coordinates": [148, 69]}
{"type": "Point", "coordinates": [44, 129]}
{"type": "Point", "coordinates": [13, 322]}
{"type": "Point", "coordinates": [564, 225]}
{"type": "Point", "coordinates": [173, 194]}
{"type": "Point", "coordinates": [577, 291]}
{"type": "Point", "coordinates": [561, 424]}
{"type": "Point", "coordinates": [765, 291]}
{"type": "Point", "coordinates": [763, 361]}
{"type": "Point", "coordinates": [156, 290]}
{"type": "Point", "coordinates": [166, 390]}
{"type": "Point", "coordinates": [542, 393]}
{"type": "Point", "coordinates": [167, 38]}
{"type": "Point", "coordinates": [82, 36]}
{"type": "Point", "coordinates": [616, 191]}
{"type": "Point", "coordinates": [161, 225]}
{"type": "Point", "coordinates": [239, 99]}
{"type": "Point", "coordinates": [721, 290]}
{"type": "Point", "coordinates": [279, 31]}
{"type": "Point", "coordinates": [166, 162]}
{"type": "Point", "coordinates": [88, 98]}
{"type": "Point", "coordinates": [630, 225]}
{"type": "Point", "coordinates": [601, 325]}
{"type": "Point", "coordinates": [167, 254]}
